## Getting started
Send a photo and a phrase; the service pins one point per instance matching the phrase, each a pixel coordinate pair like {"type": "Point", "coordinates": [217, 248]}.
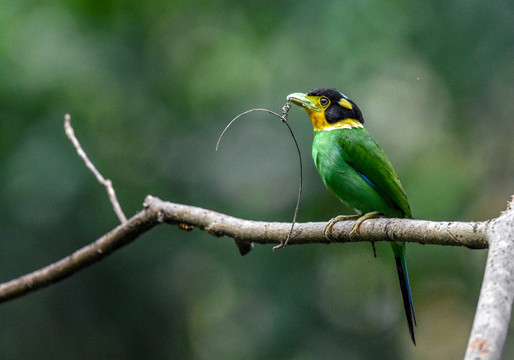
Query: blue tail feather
{"type": "Point", "coordinates": [403, 278]}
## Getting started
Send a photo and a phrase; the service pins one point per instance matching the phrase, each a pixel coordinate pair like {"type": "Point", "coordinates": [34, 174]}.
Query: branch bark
{"type": "Point", "coordinates": [244, 233]}
{"type": "Point", "coordinates": [494, 308]}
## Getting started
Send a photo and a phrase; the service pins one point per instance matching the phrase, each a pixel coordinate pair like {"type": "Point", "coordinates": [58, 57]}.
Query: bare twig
{"type": "Point", "coordinates": [494, 308]}
{"type": "Point", "coordinates": [156, 211]}
{"type": "Point", "coordinates": [105, 182]}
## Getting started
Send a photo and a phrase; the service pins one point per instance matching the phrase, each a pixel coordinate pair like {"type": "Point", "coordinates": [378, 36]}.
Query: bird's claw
{"type": "Point", "coordinates": [355, 229]}
{"type": "Point", "coordinates": [359, 219]}
{"type": "Point", "coordinates": [327, 231]}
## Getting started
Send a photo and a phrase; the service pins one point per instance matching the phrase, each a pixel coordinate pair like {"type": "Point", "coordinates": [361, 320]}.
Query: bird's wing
{"type": "Point", "coordinates": [364, 154]}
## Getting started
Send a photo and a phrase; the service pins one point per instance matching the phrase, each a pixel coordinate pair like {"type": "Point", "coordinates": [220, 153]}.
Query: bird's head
{"type": "Point", "coordinates": [329, 109]}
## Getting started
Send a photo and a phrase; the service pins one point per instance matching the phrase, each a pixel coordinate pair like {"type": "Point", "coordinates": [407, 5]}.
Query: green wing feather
{"type": "Point", "coordinates": [364, 154]}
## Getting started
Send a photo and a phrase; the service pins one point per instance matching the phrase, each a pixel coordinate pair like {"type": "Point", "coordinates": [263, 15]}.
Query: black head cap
{"type": "Point", "coordinates": [341, 106]}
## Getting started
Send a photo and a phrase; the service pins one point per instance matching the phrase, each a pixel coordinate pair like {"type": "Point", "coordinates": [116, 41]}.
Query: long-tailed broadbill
{"type": "Point", "coordinates": [355, 168]}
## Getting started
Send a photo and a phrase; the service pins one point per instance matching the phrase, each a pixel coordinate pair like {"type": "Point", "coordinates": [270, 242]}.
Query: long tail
{"type": "Point", "coordinates": [403, 277]}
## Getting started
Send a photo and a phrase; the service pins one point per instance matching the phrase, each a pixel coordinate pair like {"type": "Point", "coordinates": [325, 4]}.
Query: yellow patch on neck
{"type": "Point", "coordinates": [319, 122]}
{"type": "Point", "coordinates": [344, 124]}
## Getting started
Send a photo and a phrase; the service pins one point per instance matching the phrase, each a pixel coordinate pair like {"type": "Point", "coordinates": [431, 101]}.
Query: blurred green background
{"type": "Point", "coordinates": [151, 85]}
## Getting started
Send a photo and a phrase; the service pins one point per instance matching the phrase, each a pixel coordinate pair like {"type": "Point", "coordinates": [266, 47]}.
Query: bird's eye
{"type": "Point", "coordinates": [324, 101]}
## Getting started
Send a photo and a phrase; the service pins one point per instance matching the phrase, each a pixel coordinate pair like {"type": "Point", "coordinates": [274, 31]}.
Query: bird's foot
{"type": "Point", "coordinates": [327, 231]}
{"type": "Point", "coordinates": [357, 225]}
{"type": "Point", "coordinates": [359, 219]}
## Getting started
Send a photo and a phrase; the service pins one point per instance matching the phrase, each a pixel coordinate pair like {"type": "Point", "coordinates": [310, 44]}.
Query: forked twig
{"type": "Point", "coordinates": [282, 117]}
{"type": "Point", "coordinates": [104, 182]}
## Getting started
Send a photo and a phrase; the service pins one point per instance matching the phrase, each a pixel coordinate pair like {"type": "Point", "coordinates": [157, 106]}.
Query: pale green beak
{"type": "Point", "coordinates": [301, 99]}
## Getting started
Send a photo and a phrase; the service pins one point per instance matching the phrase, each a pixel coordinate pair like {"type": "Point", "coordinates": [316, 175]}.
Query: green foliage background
{"type": "Point", "coordinates": [150, 86]}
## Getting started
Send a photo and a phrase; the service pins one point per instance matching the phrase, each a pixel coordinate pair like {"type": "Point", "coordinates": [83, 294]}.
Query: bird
{"type": "Point", "coordinates": [355, 168]}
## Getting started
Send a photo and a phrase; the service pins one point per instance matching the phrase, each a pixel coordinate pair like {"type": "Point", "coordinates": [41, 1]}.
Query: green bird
{"type": "Point", "coordinates": [355, 168]}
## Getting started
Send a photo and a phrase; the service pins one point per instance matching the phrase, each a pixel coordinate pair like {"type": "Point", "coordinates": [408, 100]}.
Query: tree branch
{"type": "Point", "coordinates": [494, 307]}
{"type": "Point", "coordinates": [469, 234]}
{"type": "Point", "coordinates": [245, 233]}
{"type": "Point", "coordinates": [80, 259]}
